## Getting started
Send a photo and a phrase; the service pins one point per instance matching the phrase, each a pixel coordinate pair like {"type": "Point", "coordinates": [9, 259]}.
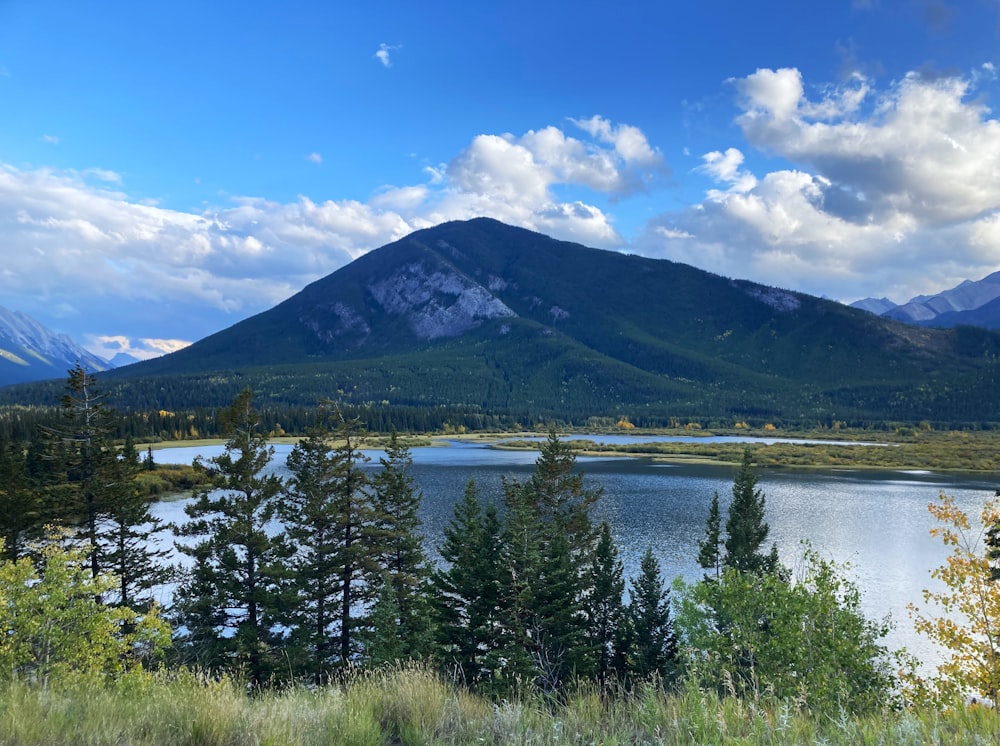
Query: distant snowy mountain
{"type": "Point", "coordinates": [121, 359]}
{"type": "Point", "coordinates": [972, 303]}
{"type": "Point", "coordinates": [877, 306]}
{"type": "Point", "coordinates": [30, 351]}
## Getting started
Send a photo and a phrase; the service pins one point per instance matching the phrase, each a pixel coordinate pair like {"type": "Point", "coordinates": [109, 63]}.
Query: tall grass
{"type": "Point", "coordinates": [411, 705]}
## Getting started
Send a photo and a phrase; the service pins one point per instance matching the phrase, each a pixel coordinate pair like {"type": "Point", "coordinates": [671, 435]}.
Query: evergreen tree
{"type": "Point", "coordinates": [129, 535]}
{"type": "Point", "coordinates": [709, 555]}
{"type": "Point", "coordinates": [472, 624]}
{"type": "Point", "coordinates": [745, 527]}
{"type": "Point", "coordinates": [238, 562]}
{"type": "Point", "coordinates": [604, 604]}
{"type": "Point", "coordinates": [356, 563]}
{"type": "Point", "coordinates": [549, 543]}
{"type": "Point", "coordinates": [80, 447]}
{"type": "Point", "coordinates": [386, 645]}
{"type": "Point", "coordinates": [21, 510]}
{"type": "Point", "coordinates": [327, 514]}
{"type": "Point", "coordinates": [397, 540]}
{"type": "Point", "coordinates": [555, 493]}
{"type": "Point", "coordinates": [653, 643]}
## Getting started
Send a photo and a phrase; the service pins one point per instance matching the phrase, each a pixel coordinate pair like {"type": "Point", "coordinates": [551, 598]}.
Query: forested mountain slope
{"type": "Point", "coordinates": [479, 313]}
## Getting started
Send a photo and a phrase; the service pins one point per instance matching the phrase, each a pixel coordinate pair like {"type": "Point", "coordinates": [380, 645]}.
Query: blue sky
{"type": "Point", "coordinates": [167, 170]}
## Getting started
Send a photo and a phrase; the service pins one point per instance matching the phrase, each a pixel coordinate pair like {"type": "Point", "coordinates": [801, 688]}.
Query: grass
{"type": "Point", "coordinates": [410, 705]}
{"type": "Point", "coordinates": [973, 452]}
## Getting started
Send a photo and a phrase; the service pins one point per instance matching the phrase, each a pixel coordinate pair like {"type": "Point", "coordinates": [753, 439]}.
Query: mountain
{"type": "Point", "coordinates": [489, 318]}
{"type": "Point", "coordinates": [974, 303]}
{"type": "Point", "coordinates": [122, 359]}
{"type": "Point", "coordinates": [29, 351]}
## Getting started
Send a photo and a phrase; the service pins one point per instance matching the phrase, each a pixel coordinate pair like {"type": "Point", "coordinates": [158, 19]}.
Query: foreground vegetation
{"type": "Point", "coordinates": [412, 705]}
{"type": "Point", "coordinates": [313, 609]}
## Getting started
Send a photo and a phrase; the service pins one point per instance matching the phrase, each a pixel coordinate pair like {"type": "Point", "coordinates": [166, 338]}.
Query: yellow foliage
{"type": "Point", "coordinates": [166, 413]}
{"type": "Point", "coordinates": [969, 625]}
{"type": "Point", "coordinates": [625, 424]}
{"type": "Point", "coordinates": [741, 426]}
{"type": "Point", "coordinates": [769, 427]}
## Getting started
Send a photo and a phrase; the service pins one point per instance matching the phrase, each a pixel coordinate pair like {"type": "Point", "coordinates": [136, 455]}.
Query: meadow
{"type": "Point", "coordinates": [412, 705]}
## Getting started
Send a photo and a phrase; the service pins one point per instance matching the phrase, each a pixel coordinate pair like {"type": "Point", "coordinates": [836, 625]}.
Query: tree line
{"type": "Point", "coordinates": [308, 577]}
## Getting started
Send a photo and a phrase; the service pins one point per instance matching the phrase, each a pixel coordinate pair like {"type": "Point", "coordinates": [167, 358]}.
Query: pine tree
{"type": "Point", "coordinates": [238, 562]}
{"type": "Point", "coordinates": [397, 540]}
{"type": "Point", "coordinates": [745, 527]}
{"type": "Point", "coordinates": [709, 556]}
{"type": "Point", "coordinates": [604, 604]}
{"type": "Point", "coordinates": [653, 643]}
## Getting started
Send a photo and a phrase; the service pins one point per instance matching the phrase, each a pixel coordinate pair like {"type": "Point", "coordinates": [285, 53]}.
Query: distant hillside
{"type": "Point", "coordinates": [489, 317]}
{"type": "Point", "coordinates": [29, 351]}
{"type": "Point", "coordinates": [974, 303]}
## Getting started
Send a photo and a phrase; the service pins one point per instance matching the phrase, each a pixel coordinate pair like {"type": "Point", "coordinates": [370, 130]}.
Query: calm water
{"type": "Point", "coordinates": [875, 520]}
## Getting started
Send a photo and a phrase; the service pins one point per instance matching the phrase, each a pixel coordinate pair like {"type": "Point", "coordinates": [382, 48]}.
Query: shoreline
{"type": "Point", "coordinates": [957, 453]}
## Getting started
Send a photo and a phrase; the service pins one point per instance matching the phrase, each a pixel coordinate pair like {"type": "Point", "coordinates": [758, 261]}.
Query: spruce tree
{"type": "Point", "coordinates": [653, 643]}
{"type": "Point", "coordinates": [80, 447]}
{"type": "Point", "coordinates": [709, 554]}
{"type": "Point", "coordinates": [21, 510]}
{"type": "Point", "coordinates": [238, 559]}
{"type": "Point", "coordinates": [385, 644]}
{"type": "Point", "coordinates": [328, 514]}
{"type": "Point", "coordinates": [355, 557]}
{"type": "Point", "coordinates": [309, 512]}
{"type": "Point", "coordinates": [549, 542]}
{"type": "Point", "coordinates": [473, 626]}
{"type": "Point", "coordinates": [397, 540]}
{"type": "Point", "coordinates": [746, 528]}
{"type": "Point", "coordinates": [129, 535]}
{"type": "Point", "coordinates": [603, 605]}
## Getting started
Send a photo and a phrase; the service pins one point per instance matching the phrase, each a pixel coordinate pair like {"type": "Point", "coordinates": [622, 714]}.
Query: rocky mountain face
{"type": "Point", "coordinates": [30, 351]}
{"type": "Point", "coordinates": [973, 303]}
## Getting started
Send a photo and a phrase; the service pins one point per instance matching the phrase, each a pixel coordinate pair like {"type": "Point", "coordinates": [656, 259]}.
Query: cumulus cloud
{"type": "Point", "coordinates": [50, 139]}
{"type": "Point", "coordinates": [891, 192]}
{"type": "Point", "coordinates": [314, 158]}
{"type": "Point", "coordinates": [78, 250]}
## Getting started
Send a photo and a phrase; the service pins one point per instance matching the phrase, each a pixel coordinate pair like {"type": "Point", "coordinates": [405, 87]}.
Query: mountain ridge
{"type": "Point", "coordinates": [971, 302]}
{"type": "Point", "coordinates": [30, 351]}
{"type": "Point", "coordinates": [482, 315]}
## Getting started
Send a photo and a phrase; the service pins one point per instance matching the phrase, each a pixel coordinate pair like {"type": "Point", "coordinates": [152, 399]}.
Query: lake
{"type": "Point", "coordinates": [877, 521]}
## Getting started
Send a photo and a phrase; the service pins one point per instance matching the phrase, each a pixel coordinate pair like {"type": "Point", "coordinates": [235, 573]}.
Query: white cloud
{"type": "Point", "coordinates": [314, 158]}
{"type": "Point", "coordinates": [78, 250]}
{"type": "Point", "coordinates": [50, 139]}
{"type": "Point", "coordinates": [141, 349]}
{"type": "Point", "coordinates": [726, 168]}
{"type": "Point", "coordinates": [895, 192]}
{"type": "Point", "coordinates": [384, 53]}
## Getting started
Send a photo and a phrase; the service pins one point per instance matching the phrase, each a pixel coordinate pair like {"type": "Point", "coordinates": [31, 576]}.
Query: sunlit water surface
{"type": "Point", "coordinates": [877, 521]}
